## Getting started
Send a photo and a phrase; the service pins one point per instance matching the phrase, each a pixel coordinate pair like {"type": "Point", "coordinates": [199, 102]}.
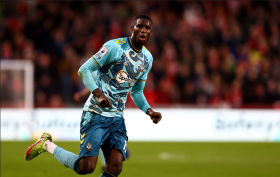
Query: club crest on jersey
{"type": "Point", "coordinates": [121, 77]}
{"type": "Point", "coordinates": [141, 68]}
{"type": "Point", "coordinates": [88, 146]}
{"type": "Point", "coordinates": [103, 51]}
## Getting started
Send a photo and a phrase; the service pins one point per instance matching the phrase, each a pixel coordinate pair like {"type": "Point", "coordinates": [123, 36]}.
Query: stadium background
{"type": "Point", "coordinates": [207, 54]}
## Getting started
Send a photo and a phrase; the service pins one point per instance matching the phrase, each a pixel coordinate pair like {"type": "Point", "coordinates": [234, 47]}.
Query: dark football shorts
{"type": "Point", "coordinates": [102, 132]}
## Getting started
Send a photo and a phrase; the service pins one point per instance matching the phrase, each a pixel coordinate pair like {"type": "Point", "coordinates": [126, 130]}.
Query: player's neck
{"type": "Point", "coordinates": [135, 44]}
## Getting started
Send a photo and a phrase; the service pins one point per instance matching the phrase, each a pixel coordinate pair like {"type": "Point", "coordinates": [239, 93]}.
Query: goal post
{"type": "Point", "coordinates": [11, 71]}
{"type": "Point", "coordinates": [17, 99]}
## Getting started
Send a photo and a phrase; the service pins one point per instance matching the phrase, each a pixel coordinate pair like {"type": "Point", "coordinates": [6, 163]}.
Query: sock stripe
{"type": "Point", "coordinates": [110, 173]}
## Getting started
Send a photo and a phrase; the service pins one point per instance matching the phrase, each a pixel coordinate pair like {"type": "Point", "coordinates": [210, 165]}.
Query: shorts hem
{"type": "Point", "coordinates": [90, 155]}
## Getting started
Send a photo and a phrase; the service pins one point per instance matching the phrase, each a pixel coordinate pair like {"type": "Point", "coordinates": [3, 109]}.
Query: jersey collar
{"type": "Point", "coordinates": [136, 50]}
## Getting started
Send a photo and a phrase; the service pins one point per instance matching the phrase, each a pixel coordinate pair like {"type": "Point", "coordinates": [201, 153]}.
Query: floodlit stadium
{"type": "Point", "coordinates": [214, 78]}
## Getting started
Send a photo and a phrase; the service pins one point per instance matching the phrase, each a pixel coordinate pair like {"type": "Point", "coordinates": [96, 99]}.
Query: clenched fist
{"type": "Point", "coordinates": [155, 116]}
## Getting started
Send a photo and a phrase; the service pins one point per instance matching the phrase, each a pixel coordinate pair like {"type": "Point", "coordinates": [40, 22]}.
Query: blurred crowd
{"type": "Point", "coordinates": [206, 53]}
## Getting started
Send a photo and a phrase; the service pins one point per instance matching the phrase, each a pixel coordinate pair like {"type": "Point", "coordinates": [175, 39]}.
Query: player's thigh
{"type": "Point", "coordinates": [114, 160]}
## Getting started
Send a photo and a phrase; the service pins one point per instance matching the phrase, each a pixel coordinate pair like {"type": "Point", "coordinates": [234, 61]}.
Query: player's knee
{"type": "Point", "coordinates": [119, 169]}
{"type": "Point", "coordinates": [115, 167]}
{"type": "Point", "coordinates": [86, 167]}
{"type": "Point", "coordinates": [86, 170]}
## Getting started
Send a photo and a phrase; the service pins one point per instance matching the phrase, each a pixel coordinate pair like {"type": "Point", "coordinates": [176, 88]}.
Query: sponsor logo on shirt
{"type": "Point", "coordinates": [122, 77]}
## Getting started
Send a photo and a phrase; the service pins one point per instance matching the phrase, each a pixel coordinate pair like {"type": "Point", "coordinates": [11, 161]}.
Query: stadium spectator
{"type": "Point", "coordinates": [205, 53]}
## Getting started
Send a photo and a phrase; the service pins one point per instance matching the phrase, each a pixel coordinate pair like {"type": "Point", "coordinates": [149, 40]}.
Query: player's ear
{"type": "Point", "coordinates": [132, 27]}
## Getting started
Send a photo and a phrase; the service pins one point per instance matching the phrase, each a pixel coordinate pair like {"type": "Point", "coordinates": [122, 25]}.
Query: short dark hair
{"type": "Point", "coordinates": [143, 16]}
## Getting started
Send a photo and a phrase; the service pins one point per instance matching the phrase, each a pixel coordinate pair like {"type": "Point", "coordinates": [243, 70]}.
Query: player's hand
{"type": "Point", "coordinates": [155, 116]}
{"type": "Point", "coordinates": [104, 102]}
{"type": "Point", "coordinates": [102, 99]}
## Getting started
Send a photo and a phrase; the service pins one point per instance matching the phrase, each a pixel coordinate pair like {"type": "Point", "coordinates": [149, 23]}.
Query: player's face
{"type": "Point", "coordinates": [141, 31]}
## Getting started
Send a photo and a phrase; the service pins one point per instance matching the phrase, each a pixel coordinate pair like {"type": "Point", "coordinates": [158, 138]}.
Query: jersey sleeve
{"type": "Point", "coordinates": [107, 54]}
{"type": "Point", "coordinates": [85, 72]}
{"type": "Point", "coordinates": [138, 97]}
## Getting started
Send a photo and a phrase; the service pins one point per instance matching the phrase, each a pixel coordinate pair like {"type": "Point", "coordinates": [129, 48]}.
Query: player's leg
{"type": "Point", "coordinates": [114, 159]}
{"type": "Point", "coordinates": [92, 132]}
{"type": "Point", "coordinates": [114, 148]}
{"type": "Point", "coordinates": [84, 163]}
{"type": "Point", "coordinates": [95, 130]}
{"type": "Point", "coordinates": [45, 144]}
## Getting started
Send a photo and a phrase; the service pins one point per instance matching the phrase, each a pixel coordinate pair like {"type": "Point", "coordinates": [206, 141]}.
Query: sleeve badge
{"type": "Point", "coordinates": [103, 50]}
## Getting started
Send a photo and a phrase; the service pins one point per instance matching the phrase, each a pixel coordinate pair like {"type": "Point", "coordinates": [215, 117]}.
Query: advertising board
{"type": "Point", "coordinates": [176, 125]}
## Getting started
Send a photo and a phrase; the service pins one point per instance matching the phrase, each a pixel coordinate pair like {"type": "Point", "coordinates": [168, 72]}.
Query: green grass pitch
{"type": "Point", "coordinates": [157, 159]}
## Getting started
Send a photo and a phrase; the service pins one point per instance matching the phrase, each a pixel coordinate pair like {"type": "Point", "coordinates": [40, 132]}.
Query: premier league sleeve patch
{"type": "Point", "coordinates": [107, 54]}
{"type": "Point", "coordinates": [103, 51]}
